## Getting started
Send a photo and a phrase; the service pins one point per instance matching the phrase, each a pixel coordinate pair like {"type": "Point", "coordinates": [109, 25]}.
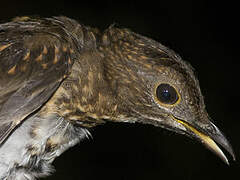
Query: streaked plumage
{"type": "Point", "coordinates": [59, 78]}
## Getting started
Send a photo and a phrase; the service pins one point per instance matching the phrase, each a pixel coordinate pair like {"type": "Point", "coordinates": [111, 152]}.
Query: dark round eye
{"type": "Point", "coordinates": [166, 94]}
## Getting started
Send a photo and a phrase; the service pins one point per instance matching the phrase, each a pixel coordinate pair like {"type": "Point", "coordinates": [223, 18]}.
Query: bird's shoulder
{"type": "Point", "coordinates": [35, 57]}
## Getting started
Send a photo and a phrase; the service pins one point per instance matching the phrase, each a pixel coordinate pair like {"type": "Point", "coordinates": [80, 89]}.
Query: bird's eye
{"type": "Point", "coordinates": [167, 94]}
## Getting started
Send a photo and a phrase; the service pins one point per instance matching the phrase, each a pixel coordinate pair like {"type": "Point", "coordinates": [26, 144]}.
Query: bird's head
{"type": "Point", "coordinates": [151, 84]}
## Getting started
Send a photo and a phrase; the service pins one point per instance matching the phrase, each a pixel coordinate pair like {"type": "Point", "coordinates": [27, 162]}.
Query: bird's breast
{"type": "Point", "coordinates": [36, 143]}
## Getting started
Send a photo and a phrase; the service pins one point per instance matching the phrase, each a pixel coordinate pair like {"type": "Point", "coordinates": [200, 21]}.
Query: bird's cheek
{"type": "Point", "coordinates": [184, 112]}
{"type": "Point", "coordinates": [169, 122]}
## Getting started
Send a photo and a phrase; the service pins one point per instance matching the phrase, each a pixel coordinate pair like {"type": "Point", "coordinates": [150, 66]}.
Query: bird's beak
{"type": "Point", "coordinates": [210, 138]}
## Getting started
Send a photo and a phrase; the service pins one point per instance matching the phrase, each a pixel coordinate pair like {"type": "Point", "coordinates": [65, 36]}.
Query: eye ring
{"type": "Point", "coordinates": [166, 95]}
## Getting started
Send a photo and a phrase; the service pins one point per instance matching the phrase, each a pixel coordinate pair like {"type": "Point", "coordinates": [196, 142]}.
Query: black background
{"type": "Point", "coordinates": [206, 34]}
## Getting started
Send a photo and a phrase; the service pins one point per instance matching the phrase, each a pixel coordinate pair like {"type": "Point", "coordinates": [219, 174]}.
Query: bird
{"type": "Point", "coordinates": [60, 78]}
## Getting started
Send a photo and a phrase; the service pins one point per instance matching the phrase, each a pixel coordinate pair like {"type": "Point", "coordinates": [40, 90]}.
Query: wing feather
{"type": "Point", "coordinates": [33, 63]}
